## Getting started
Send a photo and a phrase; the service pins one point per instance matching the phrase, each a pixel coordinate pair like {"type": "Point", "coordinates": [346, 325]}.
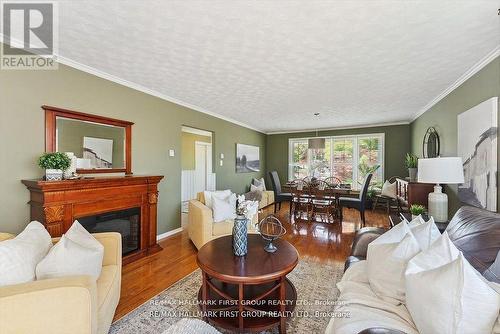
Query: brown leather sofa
{"type": "Point", "coordinates": [475, 232]}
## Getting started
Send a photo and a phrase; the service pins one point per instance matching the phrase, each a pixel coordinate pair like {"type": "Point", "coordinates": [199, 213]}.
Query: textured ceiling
{"type": "Point", "coordinates": [273, 64]}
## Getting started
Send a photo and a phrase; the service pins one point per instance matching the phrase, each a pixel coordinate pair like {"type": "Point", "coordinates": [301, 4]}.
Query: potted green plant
{"type": "Point", "coordinates": [411, 162]}
{"type": "Point", "coordinates": [55, 164]}
{"type": "Point", "coordinates": [416, 210]}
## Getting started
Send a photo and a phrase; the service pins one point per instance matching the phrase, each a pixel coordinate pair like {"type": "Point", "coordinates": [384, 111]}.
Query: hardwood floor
{"type": "Point", "coordinates": [320, 242]}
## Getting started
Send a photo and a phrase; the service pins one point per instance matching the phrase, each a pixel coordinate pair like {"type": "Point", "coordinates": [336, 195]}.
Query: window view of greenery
{"type": "Point", "coordinates": [300, 166]}
{"type": "Point", "coordinates": [369, 159]}
{"type": "Point", "coordinates": [343, 159]}
{"type": "Point", "coordinates": [348, 158]}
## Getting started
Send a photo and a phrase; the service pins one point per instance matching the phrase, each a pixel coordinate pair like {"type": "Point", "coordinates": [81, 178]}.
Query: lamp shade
{"type": "Point", "coordinates": [441, 170]}
{"type": "Point", "coordinates": [316, 143]}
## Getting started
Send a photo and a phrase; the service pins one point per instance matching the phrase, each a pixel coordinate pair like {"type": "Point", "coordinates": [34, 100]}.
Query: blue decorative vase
{"type": "Point", "coordinates": [240, 238]}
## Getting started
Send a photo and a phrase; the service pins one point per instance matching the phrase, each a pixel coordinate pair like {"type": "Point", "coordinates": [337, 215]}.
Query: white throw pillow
{"type": "Point", "coordinates": [441, 252]}
{"type": "Point", "coordinates": [19, 256]}
{"type": "Point", "coordinates": [389, 189]}
{"type": "Point", "coordinates": [218, 193]}
{"type": "Point", "coordinates": [418, 220]}
{"type": "Point", "coordinates": [425, 233]}
{"type": "Point", "coordinates": [77, 233]}
{"type": "Point", "coordinates": [256, 188]}
{"type": "Point", "coordinates": [76, 253]}
{"type": "Point", "coordinates": [259, 182]}
{"type": "Point", "coordinates": [387, 258]}
{"type": "Point", "coordinates": [496, 327]}
{"type": "Point", "coordinates": [224, 209]}
{"type": "Point", "coordinates": [450, 299]}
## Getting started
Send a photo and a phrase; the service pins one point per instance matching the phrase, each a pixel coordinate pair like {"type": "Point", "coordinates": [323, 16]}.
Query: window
{"type": "Point", "coordinates": [350, 158]}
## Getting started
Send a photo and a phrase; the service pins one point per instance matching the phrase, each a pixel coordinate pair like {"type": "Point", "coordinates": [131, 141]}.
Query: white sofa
{"type": "Point", "coordinates": [359, 308]}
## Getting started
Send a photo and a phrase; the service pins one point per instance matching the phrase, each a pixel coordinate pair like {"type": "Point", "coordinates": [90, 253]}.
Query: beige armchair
{"type": "Point", "coordinates": [201, 225]}
{"type": "Point", "coordinates": [267, 199]}
{"type": "Point", "coordinates": [74, 304]}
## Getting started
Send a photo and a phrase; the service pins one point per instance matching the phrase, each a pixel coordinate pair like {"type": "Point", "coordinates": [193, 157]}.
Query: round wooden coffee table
{"type": "Point", "coordinates": [248, 293]}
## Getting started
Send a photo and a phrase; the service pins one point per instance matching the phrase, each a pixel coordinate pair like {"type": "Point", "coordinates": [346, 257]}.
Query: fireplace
{"type": "Point", "coordinates": [126, 222]}
{"type": "Point", "coordinates": [123, 204]}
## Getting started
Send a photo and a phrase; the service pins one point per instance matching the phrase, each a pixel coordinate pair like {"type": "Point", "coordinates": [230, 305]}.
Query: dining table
{"type": "Point", "coordinates": [336, 192]}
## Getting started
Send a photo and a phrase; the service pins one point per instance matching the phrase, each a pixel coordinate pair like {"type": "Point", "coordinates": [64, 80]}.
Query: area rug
{"type": "Point", "coordinates": [316, 296]}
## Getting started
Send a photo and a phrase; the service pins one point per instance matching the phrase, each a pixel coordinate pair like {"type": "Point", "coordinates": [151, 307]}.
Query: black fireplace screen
{"type": "Point", "coordinates": [126, 222]}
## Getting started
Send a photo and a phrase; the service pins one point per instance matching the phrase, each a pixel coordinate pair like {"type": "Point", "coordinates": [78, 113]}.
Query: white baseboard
{"type": "Point", "coordinates": [168, 234]}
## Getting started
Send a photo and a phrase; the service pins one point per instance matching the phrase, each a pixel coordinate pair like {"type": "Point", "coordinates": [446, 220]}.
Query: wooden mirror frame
{"type": "Point", "coordinates": [51, 113]}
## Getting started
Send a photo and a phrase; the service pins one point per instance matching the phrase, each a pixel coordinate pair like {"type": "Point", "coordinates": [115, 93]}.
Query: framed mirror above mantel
{"type": "Point", "coordinates": [101, 144]}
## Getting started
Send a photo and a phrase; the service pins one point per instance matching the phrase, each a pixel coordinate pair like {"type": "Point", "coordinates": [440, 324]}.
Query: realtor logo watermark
{"type": "Point", "coordinates": [30, 35]}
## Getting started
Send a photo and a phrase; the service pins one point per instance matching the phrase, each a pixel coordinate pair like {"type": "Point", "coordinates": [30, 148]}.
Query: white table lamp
{"type": "Point", "coordinates": [440, 171]}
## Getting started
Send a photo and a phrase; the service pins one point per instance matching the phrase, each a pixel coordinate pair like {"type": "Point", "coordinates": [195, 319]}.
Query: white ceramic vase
{"type": "Point", "coordinates": [71, 171]}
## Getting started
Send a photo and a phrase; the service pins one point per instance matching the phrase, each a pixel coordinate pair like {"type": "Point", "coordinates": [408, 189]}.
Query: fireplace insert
{"type": "Point", "coordinates": [126, 222]}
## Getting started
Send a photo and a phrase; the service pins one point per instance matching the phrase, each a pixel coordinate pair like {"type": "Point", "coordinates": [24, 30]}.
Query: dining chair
{"type": "Point", "coordinates": [358, 203]}
{"type": "Point", "coordinates": [279, 195]}
{"type": "Point", "coordinates": [301, 199]}
{"type": "Point", "coordinates": [333, 181]}
{"type": "Point", "coordinates": [323, 200]}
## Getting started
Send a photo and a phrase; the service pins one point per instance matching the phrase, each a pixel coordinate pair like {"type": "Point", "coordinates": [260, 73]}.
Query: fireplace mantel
{"type": "Point", "coordinates": [56, 204]}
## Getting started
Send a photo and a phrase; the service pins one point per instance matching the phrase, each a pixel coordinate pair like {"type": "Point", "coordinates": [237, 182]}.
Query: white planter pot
{"type": "Point", "coordinates": [53, 174]}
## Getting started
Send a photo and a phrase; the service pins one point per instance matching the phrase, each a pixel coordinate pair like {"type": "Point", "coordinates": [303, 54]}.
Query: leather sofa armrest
{"type": "Point", "coordinates": [380, 330]}
{"type": "Point", "coordinates": [45, 306]}
{"type": "Point", "coordinates": [362, 238]}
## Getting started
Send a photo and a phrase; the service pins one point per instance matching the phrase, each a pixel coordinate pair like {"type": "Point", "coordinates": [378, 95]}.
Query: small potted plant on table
{"type": "Point", "coordinates": [54, 163]}
{"type": "Point", "coordinates": [411, 162]}
{"type": "Point", "coordinates": [416, 210]}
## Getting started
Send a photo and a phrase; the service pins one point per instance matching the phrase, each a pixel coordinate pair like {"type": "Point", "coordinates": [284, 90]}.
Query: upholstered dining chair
{"type": "Point", "coordinates": [358, 203]}
{"type": "Point", "coordinates": [279, 195]}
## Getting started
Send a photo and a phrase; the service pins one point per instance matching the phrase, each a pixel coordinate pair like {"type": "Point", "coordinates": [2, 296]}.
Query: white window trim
{"type": "Point", "coordinates": [355, 152]}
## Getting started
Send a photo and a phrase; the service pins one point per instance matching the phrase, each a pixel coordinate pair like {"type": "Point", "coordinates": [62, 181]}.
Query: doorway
{"type": "Point", "coordinates": [197, 168]}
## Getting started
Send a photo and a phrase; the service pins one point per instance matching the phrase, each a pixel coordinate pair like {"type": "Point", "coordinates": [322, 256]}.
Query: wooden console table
{"type": "Point", "coordinates": [56, 204]}
{"type": "Point", "coordinates": [409, 192]}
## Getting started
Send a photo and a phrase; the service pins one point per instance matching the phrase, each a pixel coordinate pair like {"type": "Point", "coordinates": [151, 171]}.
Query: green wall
{"type": "Point", "coordinates": [397, 144]}
{"type": "Point", "coordinates": [443, 116]}
{"type": "Point", "coordinates": [188, 152]}
{"type": "Point", "coordinates": [157, 129]}
{"type": "Point", "coordinates": [70, 135]}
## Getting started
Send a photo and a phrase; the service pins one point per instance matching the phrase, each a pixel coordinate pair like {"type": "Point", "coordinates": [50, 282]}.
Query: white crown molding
{"type": "Point", "coordinates": [168, 234]}
{"type": "Point", "coordinates": [196, 131]}
{"type": "Point", "coordinates": [340, 128]}
{"type": "Point", "coordinates": [473, 70]}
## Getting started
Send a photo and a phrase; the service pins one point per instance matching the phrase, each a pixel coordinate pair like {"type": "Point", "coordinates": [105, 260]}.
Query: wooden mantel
{"type": "Point", "coordinates": [56, 204]}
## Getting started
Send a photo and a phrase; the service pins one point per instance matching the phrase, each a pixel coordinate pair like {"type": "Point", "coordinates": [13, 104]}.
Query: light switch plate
{"type": "Point", "coordinates": [222, 155]}
{"type": "Point", "coordinates": [221, 163]}
{"type": "Point", "coordinates": [171, 153]}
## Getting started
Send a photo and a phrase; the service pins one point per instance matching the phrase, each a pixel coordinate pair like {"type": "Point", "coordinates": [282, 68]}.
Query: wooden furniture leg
{"type": "Point", "coordinates": [240, 306]}
{"type": "Point", "coordinates": [204, 295]}
{"type": "Point", "coordinates": [282, 306]}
